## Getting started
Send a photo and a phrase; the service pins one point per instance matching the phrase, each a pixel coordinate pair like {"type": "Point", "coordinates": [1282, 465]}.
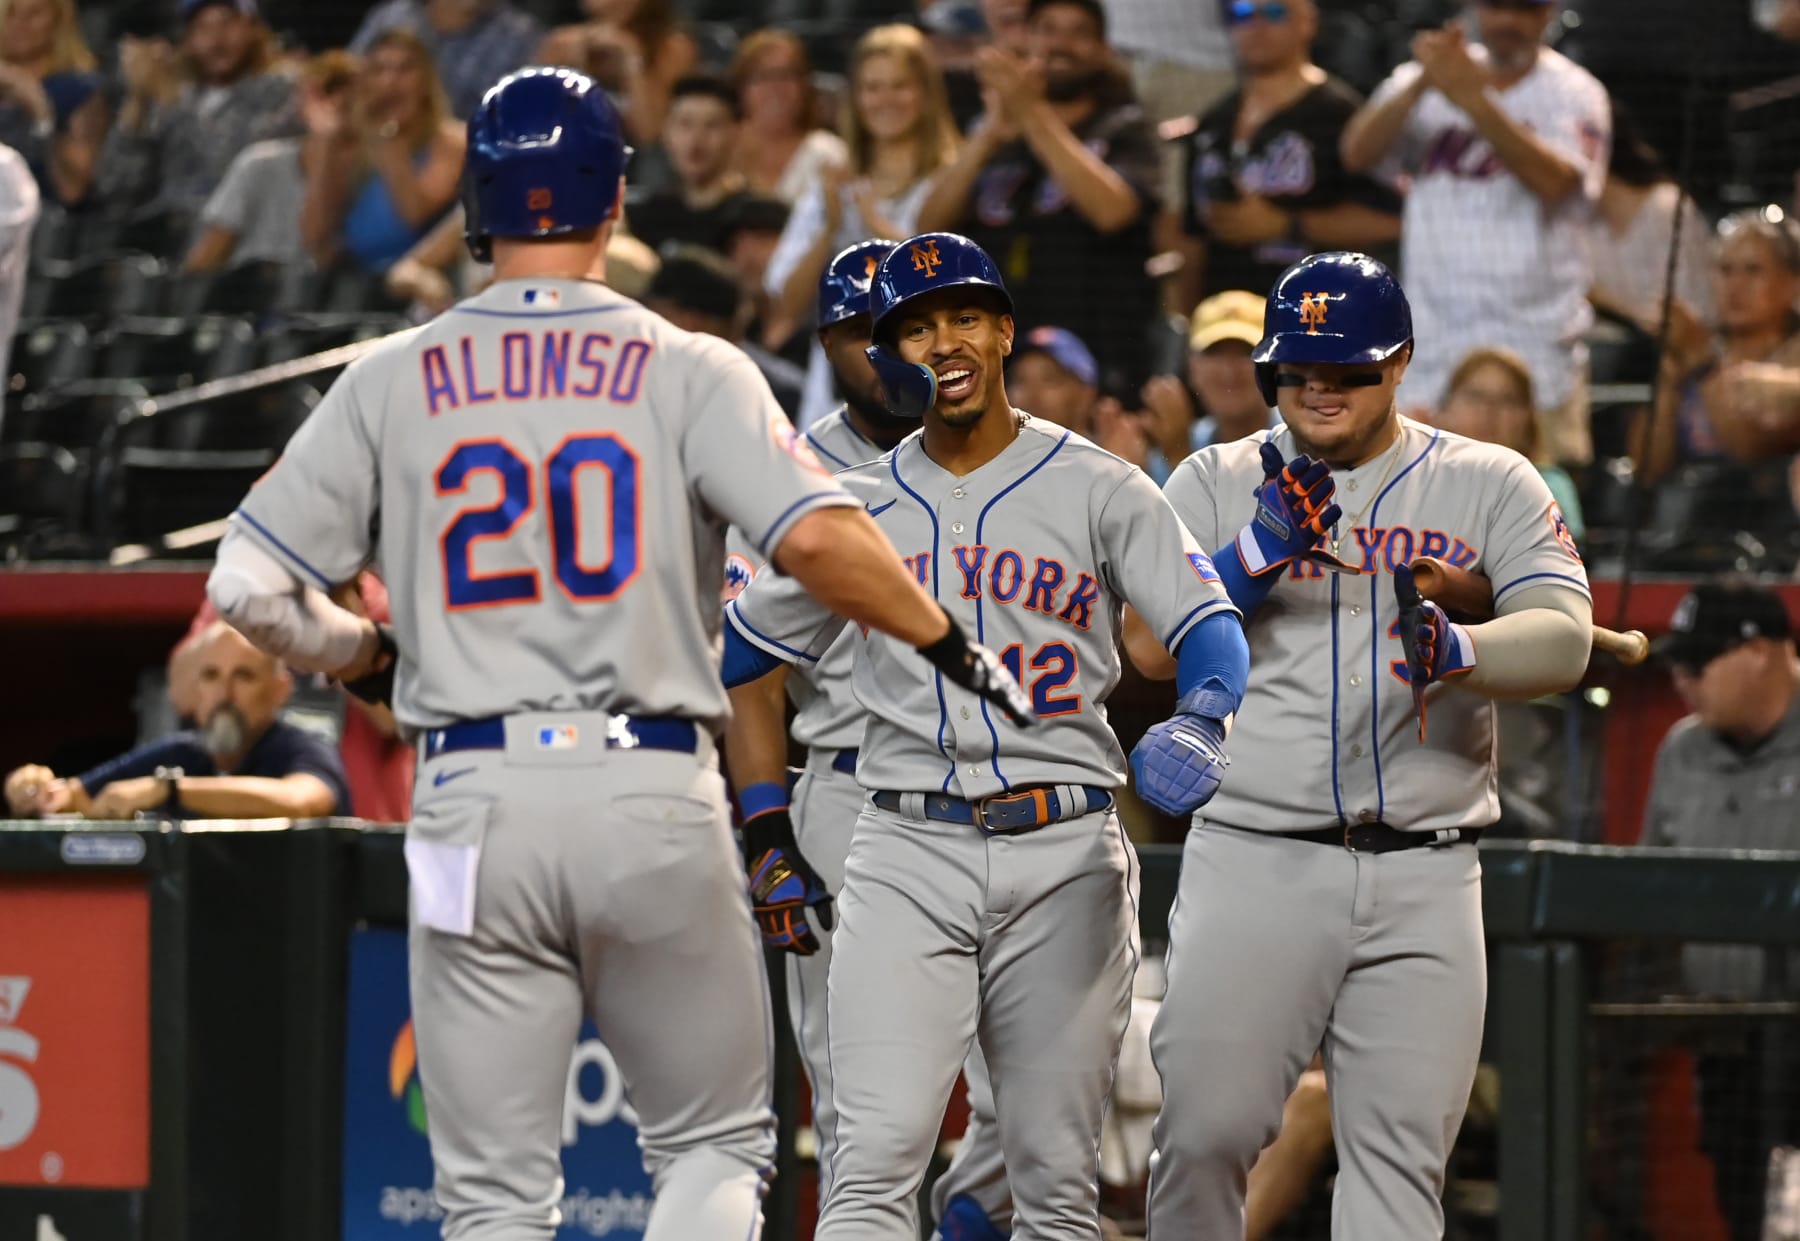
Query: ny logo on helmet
{"type": "Point", "coordinates": [537, 199]}
{"type": "Point", "coordinates": [870, 263]}
{"type": "Point", "coordinates": [1312, 311]}
{"type": "Point", "coordinates": [925, 259]}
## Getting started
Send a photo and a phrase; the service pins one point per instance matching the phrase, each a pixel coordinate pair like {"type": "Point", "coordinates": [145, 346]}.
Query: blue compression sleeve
{"type": "Point", "coordinates": [744, 661]}
{"type": "Point", "coordinates": [1213, 666]}
{"type": "Point", "coordinates": [757, 798]}
{"type": "Point", "coordinates": [1246, 590]}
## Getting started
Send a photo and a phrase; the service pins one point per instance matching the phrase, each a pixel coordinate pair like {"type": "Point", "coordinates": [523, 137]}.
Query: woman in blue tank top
{"type": "Point", "coordinates": [383, 171]}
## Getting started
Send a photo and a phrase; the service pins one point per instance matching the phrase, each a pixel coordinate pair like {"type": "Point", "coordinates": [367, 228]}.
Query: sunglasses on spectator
{"type": "Point", "coordinates": [1240, 11]}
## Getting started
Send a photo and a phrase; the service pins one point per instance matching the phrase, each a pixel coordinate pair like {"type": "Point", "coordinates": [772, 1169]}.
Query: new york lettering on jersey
{"type": "Point", "coordinates": [549, 441]}
{"type": "Point", "coordinates": [1029, 551]}
{"type": "Point", "coordinates": [1328, 734]}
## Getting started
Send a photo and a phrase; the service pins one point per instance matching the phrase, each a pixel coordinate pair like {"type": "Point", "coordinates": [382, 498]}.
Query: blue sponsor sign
{"type": "Point", "coordinates": [387, 1158]}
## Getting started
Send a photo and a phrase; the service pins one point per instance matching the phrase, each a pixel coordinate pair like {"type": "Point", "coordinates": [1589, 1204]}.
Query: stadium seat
{"type": "Point", "coordinates": [349, 290]}
{"type": "Point", "coordinates": [93, 289]}
{"type": "Point", "coordinates": [168, 353]}
{"type": "Point", "coordinates": [75, 416]}
{"type": "Point", "coordinates": [190, 464]}
{"type": "Point", "coordinates": [158, 230]}
{"type": "Point", "coordinates": [309, 334]}
{"type": "Point", "coordinates": [253, 289]}
{"type": "Point", "coordinates": [56, 236]}
{"type": "Point", "coordinates": [41, 487]}
{"type": "Point", "coordinates": [47, 356]}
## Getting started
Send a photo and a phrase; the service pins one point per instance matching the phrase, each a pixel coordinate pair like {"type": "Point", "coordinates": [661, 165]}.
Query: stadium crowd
{"type": "Point", "coordinates": [1597, 233]}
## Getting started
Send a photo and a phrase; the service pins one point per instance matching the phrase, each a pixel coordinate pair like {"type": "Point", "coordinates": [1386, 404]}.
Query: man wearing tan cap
{"type": "Point", "coordinates": [1220, 401]}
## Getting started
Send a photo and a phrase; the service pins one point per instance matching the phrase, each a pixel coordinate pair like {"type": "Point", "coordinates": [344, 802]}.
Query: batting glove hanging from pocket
{"type": "Point", "coordinates": [786, 895]}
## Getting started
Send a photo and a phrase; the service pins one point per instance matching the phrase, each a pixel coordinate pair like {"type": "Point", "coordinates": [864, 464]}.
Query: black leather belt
{"type": "Point", "coordinates": [1380, 838]}
{"type": "Point", "coordinates": [1023, 810]}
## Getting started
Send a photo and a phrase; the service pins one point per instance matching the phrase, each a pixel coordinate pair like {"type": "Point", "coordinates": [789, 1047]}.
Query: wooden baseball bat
{"type": "Point", "coordinates": [1472, 594]}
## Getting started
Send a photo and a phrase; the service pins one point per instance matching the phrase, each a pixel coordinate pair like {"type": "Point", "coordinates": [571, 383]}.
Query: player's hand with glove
{"type": "Point", "coordinates": [788, 899]}
{"type": "Point", "coordinates": [1179, 764]}
{"type": "Point", "coordinates": [1436, 647]}
{"type": "Point", "coordinates": [979, 670]}
{"type": "Point", "coordinates": [1295, 511]}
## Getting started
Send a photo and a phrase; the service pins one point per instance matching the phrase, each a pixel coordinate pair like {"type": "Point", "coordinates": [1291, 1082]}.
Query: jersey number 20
{"type": "Point", "coordinates": [583, 580]}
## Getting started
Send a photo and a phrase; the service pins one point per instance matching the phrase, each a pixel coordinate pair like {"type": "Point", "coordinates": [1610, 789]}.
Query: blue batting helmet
{"type": "Point", "coordinates": [844, 286]}
{"type": "Point", "coordinates": [1336, 307]}
{"type": "Point", "coordinates": [912, 269]}
{"type": "Point", "coordinates": [546, 152]}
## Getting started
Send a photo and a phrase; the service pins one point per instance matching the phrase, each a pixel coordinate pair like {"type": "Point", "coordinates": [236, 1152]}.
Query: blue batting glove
{"type": "Point", "coordinates": [1179, 763]}
{"type": "Point", "coordinates": [1436, 647]}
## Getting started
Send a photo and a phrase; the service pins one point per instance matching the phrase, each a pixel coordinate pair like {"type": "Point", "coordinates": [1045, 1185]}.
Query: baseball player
{"type": "Point", "coordinates": [826, 798]}
{"type": "Point", "coordinates": [989, 891]}
{"type": "Point", "coordinates": [544, 473]}
{"type": "Point", "coordinates": [1342, 847]}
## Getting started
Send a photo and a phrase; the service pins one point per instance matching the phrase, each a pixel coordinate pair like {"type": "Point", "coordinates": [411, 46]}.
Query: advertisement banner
{"type": "Point", "coordinates": [387, 1159]}
{"type": "Point", "coordinates": [75, 1032]}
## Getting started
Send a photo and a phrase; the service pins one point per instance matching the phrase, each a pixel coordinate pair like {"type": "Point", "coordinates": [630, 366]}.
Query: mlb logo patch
{"type": "Point", "coordinates": [542, 297]}
{"type": "Point", "coordinates": [558, 737]}
{"type": "Point", "coordinates": [1203, 565]}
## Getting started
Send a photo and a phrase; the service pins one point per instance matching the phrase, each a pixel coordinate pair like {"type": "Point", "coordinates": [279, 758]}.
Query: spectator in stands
{"type": "Point", "coordinates": [382, 166]}
{"type": "Point", "coordinates": [699, 135]}
{"type": "Point", "coordinates": [1734, 396]}
{"type": "Point", "coordinates": [1728, 777]}
{"type": "Point", "coordinates": [19, 205]}
{"type": "Point", "coordinates": [753, 231]}
{"type": "Point", "coordinates": [781, 149]}
{"type": "Point", "coordinates": [1507, 145]}
{"type": "Point", "coordinates": [696, 289]}
{"type": "Point", "coordinates": [254, 215]}
{"type": "Point", "coordinates": [1179, 54]}
{"type": "Point", "coordinates": [1059, 183]}
{"type": "Point", "coordinates": [1006, 25]}
{"type": "Point", "coordinates": [474, 43]}
{"type": "Point", "coordinates": [1490, 398]}
{"type": "Point", "coordinates": [638, 49]}
{"type": "Point", "coordinates": [900, 134]}
{"type": "Point", "coordinates": [955, 32]}
{"type": "Point", "coordinates": [1262, 180]}
{"type": "Point", "coordinates": [1052, 375]}
{"type": "Point", "coordinates": [1633, 232]}
{"type": "Point", "coordinates": [241, 763]}
{"type": "Point", "coordinates": [52, 109]}
{"type": "Point", "coordinates": [1221, 379]}
{"type": "Point", "coordinates": [378, 765]}
{"type": "Point", "coordinates": [173, 141]}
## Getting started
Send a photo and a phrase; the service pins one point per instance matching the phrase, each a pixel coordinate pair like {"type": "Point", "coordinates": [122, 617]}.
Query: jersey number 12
{"type": "Point", "coordinates": [583, 580]}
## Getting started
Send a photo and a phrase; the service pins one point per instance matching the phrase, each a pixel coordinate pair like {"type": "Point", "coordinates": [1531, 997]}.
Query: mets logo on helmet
{"type": "Point", "coordinates": [1312, 311]}
{"type": "Point", "coordinates": [870, 263]}
{"type": "Point", "coordinates": [925, 258]}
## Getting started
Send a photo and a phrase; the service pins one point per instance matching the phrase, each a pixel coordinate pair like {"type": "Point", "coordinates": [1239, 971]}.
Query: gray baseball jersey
{"type": "Point", "coordinates": [1033, 554]}
{"type": "Point", "coordinates": [1327, 734]}
{"type": "Point", "coordinates": [1377, 958]}
{"type": "Point", "coordinates": [827, 715]}
{"type": "Point", "coordinates": [547, 471]}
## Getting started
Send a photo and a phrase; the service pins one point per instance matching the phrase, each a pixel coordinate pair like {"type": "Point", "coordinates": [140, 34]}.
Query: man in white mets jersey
{"type": "Point", "coordinates": [1506, 144]}
{"type": "Point", "coordinates": [989, 893]}
{"type": "Point", "coordinates": [826, 799]}
{"type": "Point", "coordinates": [545, 473]}
{"type": "Point", "coordinates": [1330, 894]}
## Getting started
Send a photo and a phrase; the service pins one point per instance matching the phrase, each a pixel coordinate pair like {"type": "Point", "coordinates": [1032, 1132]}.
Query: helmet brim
{"type": "Point", "coordinates": [1321, 347]}
{"type": "Point", "coordinates": [991, 292]}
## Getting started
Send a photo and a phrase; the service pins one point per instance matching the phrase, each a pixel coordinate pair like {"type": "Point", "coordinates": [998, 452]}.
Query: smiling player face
{"type": "Point", "coordinates": [1341, 412]}
{"type": "Point", "coordinates": [964, 340]}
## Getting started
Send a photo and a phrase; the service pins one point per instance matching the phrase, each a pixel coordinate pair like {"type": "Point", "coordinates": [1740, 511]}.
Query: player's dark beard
{"type": "Point", "coordinates": [227, 732]}
{"type": "Point", "coordinates": [888, 428]}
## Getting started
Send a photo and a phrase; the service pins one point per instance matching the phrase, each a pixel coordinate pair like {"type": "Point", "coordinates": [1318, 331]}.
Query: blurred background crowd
{"type": "Point", "coordinates": [1591, 202]}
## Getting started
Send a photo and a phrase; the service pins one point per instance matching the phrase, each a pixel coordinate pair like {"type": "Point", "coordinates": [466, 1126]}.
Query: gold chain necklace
{"type": "Point", "coordinates": [1350, 524]}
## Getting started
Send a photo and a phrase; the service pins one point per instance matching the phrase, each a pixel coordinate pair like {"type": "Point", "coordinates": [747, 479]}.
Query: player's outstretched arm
{"type": "Point", "coordinates": [1539, 644]}
{"type": "Point", "coordinates": [845, 562]}
{"type": "Point", "coordinates": [1146, 652]}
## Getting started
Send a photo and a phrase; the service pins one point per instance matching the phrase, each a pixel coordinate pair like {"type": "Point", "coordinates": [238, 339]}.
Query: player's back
{"type": "Point", "coordinates": [551, 454]}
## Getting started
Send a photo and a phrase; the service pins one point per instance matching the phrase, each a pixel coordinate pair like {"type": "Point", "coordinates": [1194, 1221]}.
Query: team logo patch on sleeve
{"type": "Point", "coordinates": [738, 572]}
{"type": "Point", "coordinates": [1559, 526]}
{"type": "Point", "coordinates": [1203, 565]}
{"type": "Point", "coordinates": [794, 445]}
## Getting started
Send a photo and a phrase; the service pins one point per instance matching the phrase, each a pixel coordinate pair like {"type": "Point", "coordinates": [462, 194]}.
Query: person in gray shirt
{"type": "Point", "coordinates": [1728, 777]}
